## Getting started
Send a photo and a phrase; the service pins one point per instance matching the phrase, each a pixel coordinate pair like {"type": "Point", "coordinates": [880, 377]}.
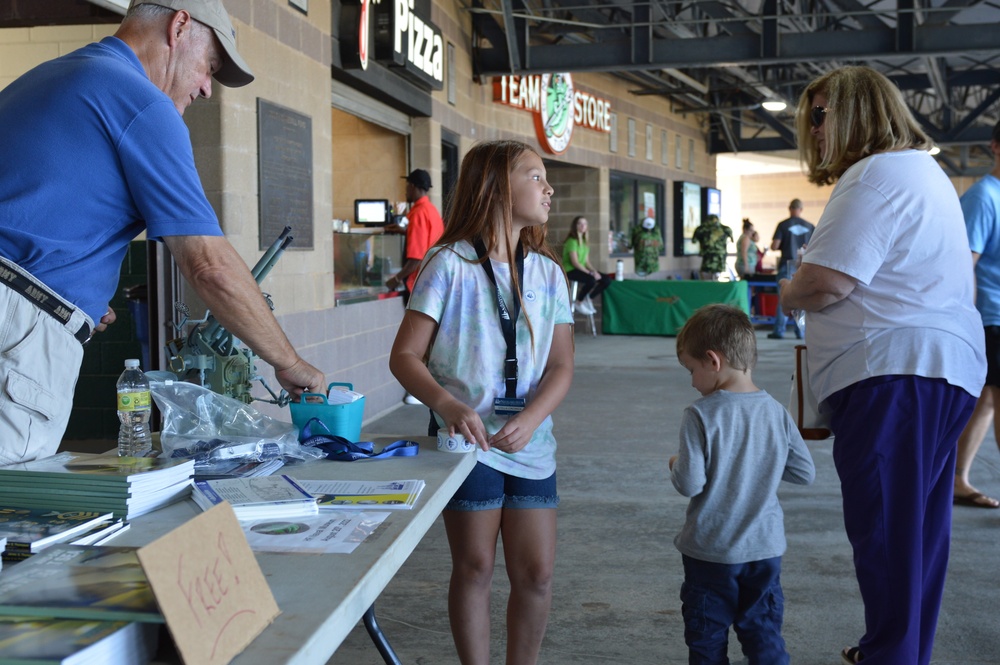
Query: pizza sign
{"type": "Point", "coordinates": [558, 107]}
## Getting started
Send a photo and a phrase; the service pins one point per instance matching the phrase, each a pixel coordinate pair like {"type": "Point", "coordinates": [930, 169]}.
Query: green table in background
{"type": "Point", "coordinates": [660, 307]}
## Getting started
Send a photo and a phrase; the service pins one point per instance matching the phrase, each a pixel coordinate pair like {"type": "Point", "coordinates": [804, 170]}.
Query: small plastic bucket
{"type": "Point", "coordinates": [341, 419]}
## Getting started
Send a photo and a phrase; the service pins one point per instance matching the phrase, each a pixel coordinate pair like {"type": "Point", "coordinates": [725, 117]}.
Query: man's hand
{"type": "Point", "coordinates": [392, 283]}
{"type": "Point", "coordinates": [106, 320]}
{"type": "Point", "coordinates": [301, 378]}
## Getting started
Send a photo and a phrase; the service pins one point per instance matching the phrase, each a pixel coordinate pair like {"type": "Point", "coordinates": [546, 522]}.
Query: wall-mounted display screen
{"type": "Point", "coordinates": [711, 201]}
{"type": "Point", "coordinates": [687, 217]}
{"type": "Point", "coordinates": [371, 212]}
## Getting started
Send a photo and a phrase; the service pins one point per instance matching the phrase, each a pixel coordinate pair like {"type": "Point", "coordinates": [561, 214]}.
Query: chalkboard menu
{"type": "Point", "coordinates": [285, 170]}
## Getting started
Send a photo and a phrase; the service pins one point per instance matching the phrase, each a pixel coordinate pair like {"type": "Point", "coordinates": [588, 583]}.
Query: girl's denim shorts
{"type": "Point", "coordinates": [488, 489]}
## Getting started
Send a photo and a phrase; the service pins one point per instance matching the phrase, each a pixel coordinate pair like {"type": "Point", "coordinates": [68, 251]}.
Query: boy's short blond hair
{"type": "Point", "coordinates": [723, 329]}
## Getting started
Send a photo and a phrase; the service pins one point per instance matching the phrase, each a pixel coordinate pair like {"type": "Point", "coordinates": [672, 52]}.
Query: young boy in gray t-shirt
{"type": "Point", "coordinates": [736, 444]}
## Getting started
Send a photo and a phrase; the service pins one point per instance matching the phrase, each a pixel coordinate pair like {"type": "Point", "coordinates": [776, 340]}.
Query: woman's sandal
{"type": "Point", "coordinates": [851, 655]}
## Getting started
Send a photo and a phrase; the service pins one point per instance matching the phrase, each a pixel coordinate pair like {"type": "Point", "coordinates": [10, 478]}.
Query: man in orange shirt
{"type": "Point", "coordinates": [423, 230]}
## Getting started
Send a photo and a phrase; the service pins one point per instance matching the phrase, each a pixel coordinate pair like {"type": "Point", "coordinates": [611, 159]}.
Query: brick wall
{"type": "Point", "coordinates": [24, 48]}
{"type": "Point", "coordinates": [94, 413]}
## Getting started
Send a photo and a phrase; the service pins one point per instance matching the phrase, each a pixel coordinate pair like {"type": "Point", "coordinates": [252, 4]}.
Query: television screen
{"type": "Point", "coordinates": [687, 217]}
{"type": "Point", "coordinates": [371, 212]}
{"type": "Point", "coordinates": [712, 201]}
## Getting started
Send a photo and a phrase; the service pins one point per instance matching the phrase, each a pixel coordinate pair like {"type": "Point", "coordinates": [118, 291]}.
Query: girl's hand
{"type": "Point", "coordinates": [459, 418]}
{"type": "Point", "coordinates": [515, 434]}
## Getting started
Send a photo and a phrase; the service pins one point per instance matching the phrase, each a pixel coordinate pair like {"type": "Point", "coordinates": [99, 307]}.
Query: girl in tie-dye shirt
{"type": "Point", "coordinates": [450, 353]}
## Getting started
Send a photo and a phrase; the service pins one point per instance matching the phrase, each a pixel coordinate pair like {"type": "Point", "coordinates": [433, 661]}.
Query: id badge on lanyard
{"type": "Point", "coordinates": [510, 404]}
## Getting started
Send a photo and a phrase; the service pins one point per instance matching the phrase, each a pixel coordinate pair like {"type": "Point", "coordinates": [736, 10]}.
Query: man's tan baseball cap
{"type": "Point", "coordinates": [234, 71]}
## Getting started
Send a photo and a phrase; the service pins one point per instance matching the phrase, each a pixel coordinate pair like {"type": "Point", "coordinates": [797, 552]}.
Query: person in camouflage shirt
{"type": "Point", "coordinates": [712, 237]}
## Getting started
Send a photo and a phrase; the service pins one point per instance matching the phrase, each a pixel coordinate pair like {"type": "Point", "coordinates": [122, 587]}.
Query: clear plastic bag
{"type": "Point", "coordinates": [209, 427]}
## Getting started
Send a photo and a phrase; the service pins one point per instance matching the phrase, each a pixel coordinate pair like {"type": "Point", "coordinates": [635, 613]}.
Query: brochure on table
{"type": "Point", "coordinates": [326, 533]}
{"type": "Point", "coordinates": [336, 495]}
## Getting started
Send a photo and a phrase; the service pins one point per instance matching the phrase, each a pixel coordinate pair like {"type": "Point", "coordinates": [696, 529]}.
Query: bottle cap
{"type": "Point", "coordinates": [132, 363]}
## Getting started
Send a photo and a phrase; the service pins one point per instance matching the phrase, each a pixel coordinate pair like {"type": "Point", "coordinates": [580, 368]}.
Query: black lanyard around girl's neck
{"type": "Point", "coordinates": [508, 315]}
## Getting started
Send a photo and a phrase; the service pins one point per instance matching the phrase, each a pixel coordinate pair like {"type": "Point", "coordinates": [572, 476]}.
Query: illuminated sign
{"type": "Point", "coordinates": [406, 38]}
{"type": "Point", "coordinates": [558, 107]}
{"type": "Point", "coordinates": [355, 31]}
{"type": "Point", "coordinates": [395, 34]}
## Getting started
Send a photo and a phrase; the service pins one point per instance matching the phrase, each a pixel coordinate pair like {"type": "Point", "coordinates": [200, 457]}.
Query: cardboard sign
{"type": "Point", "coordinates": [209, 587]}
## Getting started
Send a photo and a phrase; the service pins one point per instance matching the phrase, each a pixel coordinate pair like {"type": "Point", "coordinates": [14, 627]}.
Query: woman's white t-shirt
{"type": "Point", "coordinates": [894, 224]}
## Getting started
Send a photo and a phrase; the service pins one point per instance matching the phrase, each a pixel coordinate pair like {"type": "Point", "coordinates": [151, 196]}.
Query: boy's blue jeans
{"type": "Point", "coordinates": [746, 596]}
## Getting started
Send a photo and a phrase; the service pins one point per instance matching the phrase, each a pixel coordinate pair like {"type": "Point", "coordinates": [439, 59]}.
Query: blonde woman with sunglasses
{"type": "Point", "coordinates": [896, 348]}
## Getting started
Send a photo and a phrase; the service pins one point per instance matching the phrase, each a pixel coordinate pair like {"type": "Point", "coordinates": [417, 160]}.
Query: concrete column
{"type": "Point", "coordinates": [425, 153]}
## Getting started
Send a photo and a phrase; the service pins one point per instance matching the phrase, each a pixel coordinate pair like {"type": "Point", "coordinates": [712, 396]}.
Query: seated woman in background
{"type": "Point", "coordinates": [578, 268]}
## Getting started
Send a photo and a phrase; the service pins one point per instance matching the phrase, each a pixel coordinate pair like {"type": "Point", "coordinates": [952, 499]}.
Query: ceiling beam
{"type": "Point", "coordinates": [746, 49]}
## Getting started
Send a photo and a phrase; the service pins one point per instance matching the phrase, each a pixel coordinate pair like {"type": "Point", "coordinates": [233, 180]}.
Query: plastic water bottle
{"type": "Point", "coordinates": [620, 271]}
{"type": "Point", "coordinates": [134, 408]}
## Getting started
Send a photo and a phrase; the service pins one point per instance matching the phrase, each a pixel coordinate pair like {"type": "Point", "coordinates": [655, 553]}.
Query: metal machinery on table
{"type": "Point", "coordinates": [211, 356]}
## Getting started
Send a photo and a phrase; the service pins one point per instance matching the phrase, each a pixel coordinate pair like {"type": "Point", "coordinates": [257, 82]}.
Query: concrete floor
{"type": "Point", "coordinates": [618, 575]}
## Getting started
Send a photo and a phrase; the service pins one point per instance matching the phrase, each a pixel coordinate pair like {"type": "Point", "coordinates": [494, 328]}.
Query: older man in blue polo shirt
{"type": "Point", "coordinates": [95, 151]}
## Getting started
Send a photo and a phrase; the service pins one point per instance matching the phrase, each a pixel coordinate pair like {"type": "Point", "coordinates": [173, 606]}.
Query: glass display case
{"type": "Point", "coordinates": [363, 259]}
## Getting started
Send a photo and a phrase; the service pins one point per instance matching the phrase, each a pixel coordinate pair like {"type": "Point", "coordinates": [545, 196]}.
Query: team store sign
{"type": "Point", "coordinates": [557, 105]}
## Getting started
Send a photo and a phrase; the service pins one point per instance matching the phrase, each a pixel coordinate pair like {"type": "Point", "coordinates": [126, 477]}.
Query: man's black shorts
{"type": "Point", "coordinates": [993, 356]}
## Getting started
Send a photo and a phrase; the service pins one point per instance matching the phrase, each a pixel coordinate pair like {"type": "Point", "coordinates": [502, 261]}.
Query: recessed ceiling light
{"type": "Point", "coordinates": [934, 150]}
{"type": "Point", "coordinates": [774, 105]}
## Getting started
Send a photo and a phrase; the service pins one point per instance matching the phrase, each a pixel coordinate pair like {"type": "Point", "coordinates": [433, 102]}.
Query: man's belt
{"type": "Point", "coordinates": [43, 298]}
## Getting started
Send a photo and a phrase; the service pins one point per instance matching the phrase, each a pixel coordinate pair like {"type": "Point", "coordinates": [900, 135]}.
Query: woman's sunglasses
{"type": "Point", "coordinates": [818, 115]}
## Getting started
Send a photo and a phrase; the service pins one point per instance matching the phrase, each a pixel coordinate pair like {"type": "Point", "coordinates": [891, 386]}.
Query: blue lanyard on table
{"type": "Point", "coordinates": [342, 450]}
{"type": "Point", "coordinates": [508, 316]}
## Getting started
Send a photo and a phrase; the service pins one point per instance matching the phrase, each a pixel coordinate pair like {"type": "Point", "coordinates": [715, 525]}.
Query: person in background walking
{"type": "Point", "coordinates": [981, 207]}
{"type": "Point", "coordinates": [791, 236]}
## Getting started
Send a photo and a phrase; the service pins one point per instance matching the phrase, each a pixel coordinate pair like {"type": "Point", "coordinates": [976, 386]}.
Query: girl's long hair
{"type": "Point", "coordinates": [574, 232]}
{"type": "Point", "coordinates": [481, 207]}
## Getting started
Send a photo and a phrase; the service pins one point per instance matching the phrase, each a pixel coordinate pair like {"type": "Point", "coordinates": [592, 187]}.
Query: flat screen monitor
{"type": "Point", "coordinates": [371, 212]}
{"type": "Point", "coordinates": [687, 217]}
{"type": "Point", "coordinates": [711, 201]}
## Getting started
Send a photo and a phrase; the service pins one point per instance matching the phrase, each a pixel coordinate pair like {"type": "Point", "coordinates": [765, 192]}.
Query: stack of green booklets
{"type": "Point", "coordinates": [126, 486]}
{"type": "Point", "coordinates": [30, 530]}
{"type": "Point", "coordinates": [37, 641]}
{"type": "Point", "coordinates": [101, 582]}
